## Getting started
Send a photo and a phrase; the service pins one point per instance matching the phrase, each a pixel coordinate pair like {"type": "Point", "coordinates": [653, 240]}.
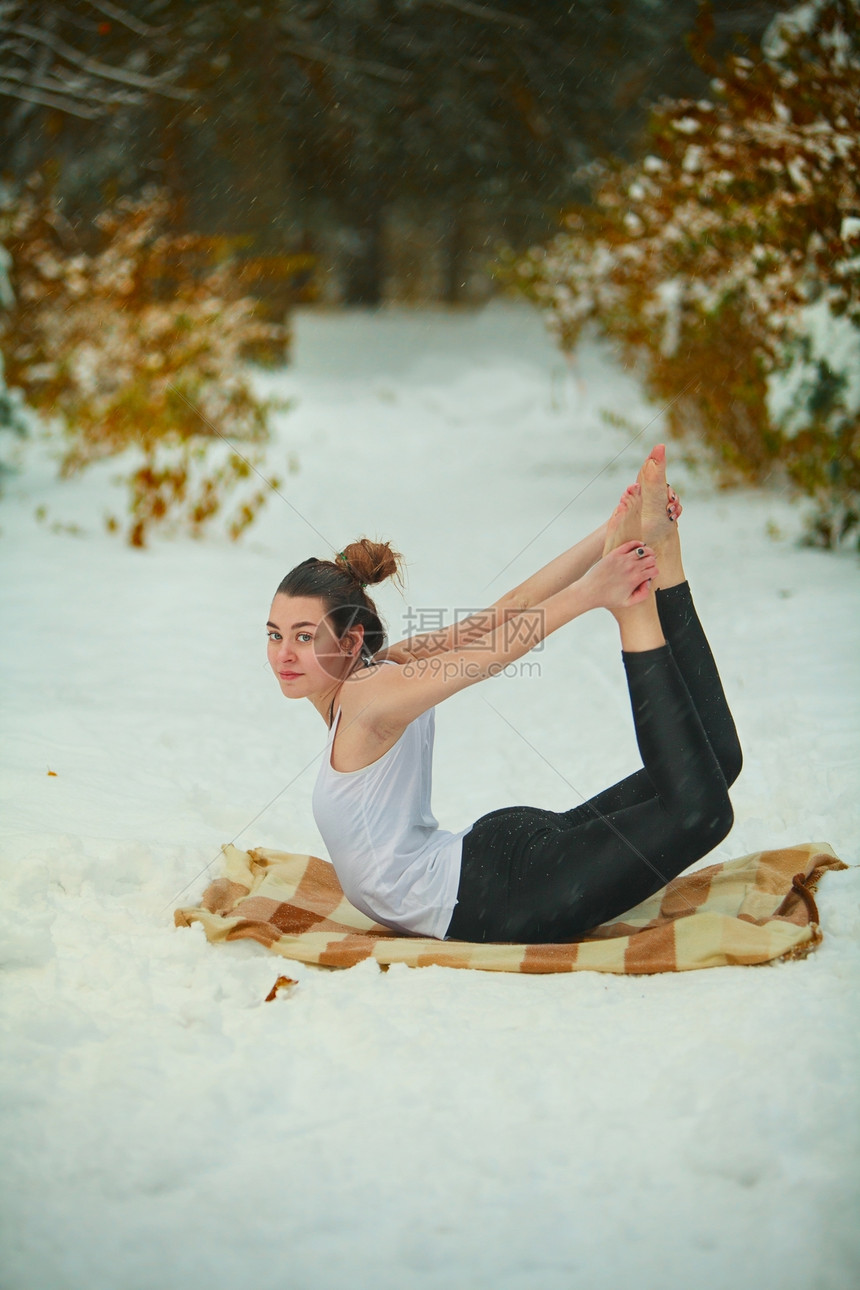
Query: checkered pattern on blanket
{"type": "Point", "coordinates": [750, 910]}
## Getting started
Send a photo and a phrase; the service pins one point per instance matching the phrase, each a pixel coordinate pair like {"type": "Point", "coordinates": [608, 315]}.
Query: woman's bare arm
{"type": "Point", "coordinates": [395, 696]}
{"type": "Point", "coordinates": [561, 572]}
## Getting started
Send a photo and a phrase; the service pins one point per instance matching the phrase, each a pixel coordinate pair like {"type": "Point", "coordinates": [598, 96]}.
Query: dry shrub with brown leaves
{"type": "Point", "coordinates": [138, 344]}
{"type": "Point", "coordinates": [727, 262]}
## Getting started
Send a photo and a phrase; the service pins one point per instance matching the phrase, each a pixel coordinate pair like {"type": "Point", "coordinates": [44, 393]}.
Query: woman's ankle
{"type": "Point", "coordinates": [678, 591]}
{"type": "Point", "coordinates": [640, 627]}
{"type": "Point", "coordinates": [671, 568]}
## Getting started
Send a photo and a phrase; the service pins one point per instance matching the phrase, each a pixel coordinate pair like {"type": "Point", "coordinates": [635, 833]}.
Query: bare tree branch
{"type": "Point", "coordinates": [80, 88]}
{"type": "Point", "coordinates": [95, 67]}
{"type": "Point", "coordinates": [25, 95]}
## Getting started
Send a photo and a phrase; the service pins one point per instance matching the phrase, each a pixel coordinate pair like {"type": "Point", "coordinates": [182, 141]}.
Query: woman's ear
{"type": "Point", "coordinates": [352, 641]}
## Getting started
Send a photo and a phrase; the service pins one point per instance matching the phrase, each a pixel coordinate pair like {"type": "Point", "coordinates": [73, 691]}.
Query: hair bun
{"type": "Point", "coordinates": [370, 562]}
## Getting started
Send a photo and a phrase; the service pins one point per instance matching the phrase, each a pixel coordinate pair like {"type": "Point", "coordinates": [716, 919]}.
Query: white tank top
{"type": "Point", "coordinates": [393, 861]}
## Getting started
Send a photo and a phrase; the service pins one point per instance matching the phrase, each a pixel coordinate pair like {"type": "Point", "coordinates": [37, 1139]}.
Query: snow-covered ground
{"type": "Point", "coordinates": [162, 1126]}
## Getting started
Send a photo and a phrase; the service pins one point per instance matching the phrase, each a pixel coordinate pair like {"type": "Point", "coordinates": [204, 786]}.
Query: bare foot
{"type": "Point", "coordinates": [639, 622]}
{"type": "Point", "coordinates": [660, 512]}
{"type": "Point", "coordinates": [625, 522]}
{"type": "Point", "coordinates": [674, 509]}
{"type": "Point", "coordinates": [656, 524]}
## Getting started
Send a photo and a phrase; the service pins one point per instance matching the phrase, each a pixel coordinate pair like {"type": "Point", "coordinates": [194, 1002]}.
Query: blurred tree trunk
{"type": "Point", "coordinates": [174, 173]}
{"type": "Point", "coordinates": [455, 257]}
{"type": "Point", "coordinates": [364, 274]}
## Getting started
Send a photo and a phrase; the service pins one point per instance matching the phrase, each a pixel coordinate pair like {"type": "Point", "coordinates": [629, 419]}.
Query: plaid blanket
{"type": "Point", "coordinates": [751, 910]}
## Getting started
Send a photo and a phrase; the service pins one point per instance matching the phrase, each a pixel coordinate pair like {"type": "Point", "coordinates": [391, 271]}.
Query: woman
{"type": "Point", "coordinates": [520, 873]}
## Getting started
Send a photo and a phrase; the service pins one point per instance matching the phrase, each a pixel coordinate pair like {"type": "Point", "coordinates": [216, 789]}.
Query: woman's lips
{"type": "Point", "coordinates": [288, 676]}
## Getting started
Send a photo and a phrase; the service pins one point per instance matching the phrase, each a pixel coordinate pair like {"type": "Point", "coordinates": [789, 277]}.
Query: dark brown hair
{"type": "Point", "coordinates": [340, 584]}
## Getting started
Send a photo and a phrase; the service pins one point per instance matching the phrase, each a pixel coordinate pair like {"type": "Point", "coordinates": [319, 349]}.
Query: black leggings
{"type": "Point", "coordinates": [534, 875]}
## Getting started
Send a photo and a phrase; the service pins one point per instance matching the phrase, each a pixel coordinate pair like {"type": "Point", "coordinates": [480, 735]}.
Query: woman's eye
{"type": "Point", "coordinates": [274, 636]}
{"type": "Point", "coordinates": [305, 636]}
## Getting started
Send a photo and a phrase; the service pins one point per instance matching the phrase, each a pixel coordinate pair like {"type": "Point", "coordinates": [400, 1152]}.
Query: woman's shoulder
{"type": "Point", "coordinates": [370, 672]}
{"type": "Point", "coordinates": [362, 686]}
{"type": "Point", "coordinates": [367, 728]}
{"type": "Point", "coordinates": [366, 699]}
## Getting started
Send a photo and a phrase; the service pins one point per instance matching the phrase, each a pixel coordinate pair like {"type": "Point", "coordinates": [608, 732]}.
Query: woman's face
{"type": "Point", "coordinates": [304, 654]}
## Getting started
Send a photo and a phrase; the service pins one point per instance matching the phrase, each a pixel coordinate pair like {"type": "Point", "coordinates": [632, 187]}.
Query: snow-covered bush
{"type": "Point", "coordinates": [727, 260]}
{"type": "Point", "coordinates": [136, 344]}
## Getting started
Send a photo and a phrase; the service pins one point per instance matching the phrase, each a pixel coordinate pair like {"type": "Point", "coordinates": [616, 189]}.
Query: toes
{"type": "Point", "coordinates": [653, 472]}
{"type": "Point", "coordinates": [654, 488]}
